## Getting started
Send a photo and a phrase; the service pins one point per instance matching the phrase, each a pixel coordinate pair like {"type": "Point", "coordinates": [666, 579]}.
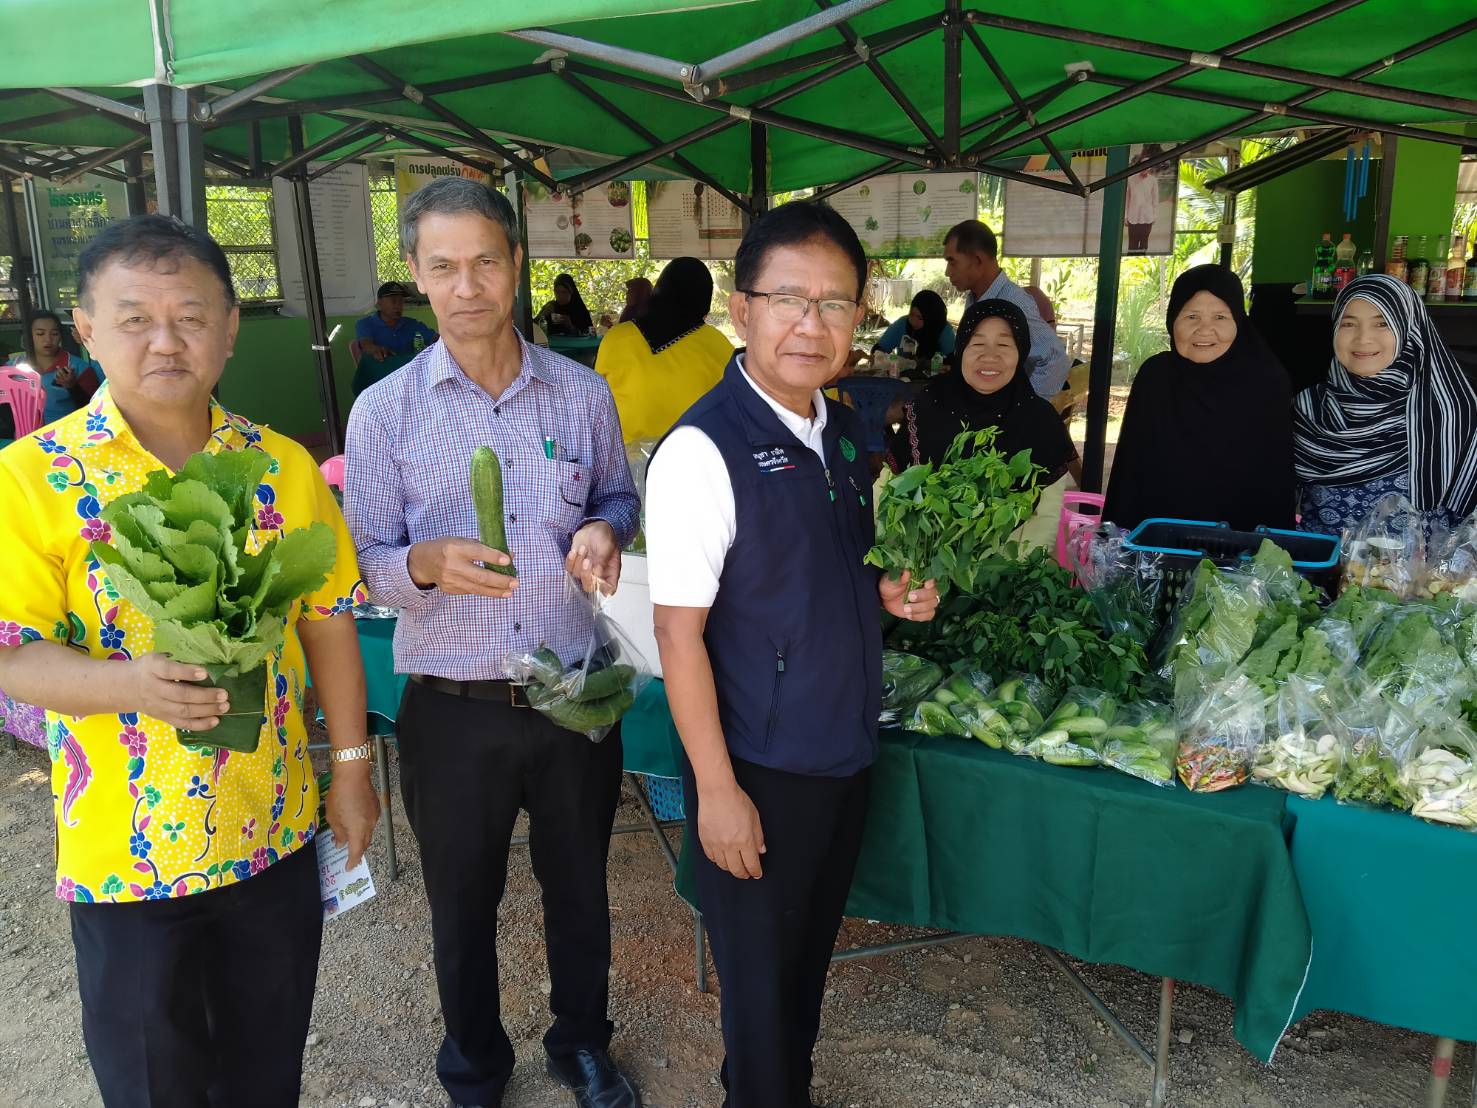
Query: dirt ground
{"type": "Point", "coordinates": [984, 1022]}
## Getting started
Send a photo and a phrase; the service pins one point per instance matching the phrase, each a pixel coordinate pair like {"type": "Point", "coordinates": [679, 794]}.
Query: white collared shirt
{"type": "Point", "coordinates": [691, 520]}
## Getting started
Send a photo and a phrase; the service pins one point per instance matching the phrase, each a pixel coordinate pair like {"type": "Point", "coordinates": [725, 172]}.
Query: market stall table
{"type": "Point", "coordinates": [581, 348]}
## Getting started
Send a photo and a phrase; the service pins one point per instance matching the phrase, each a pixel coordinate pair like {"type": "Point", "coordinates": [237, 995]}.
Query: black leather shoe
{"type": "Point", "coordinates": [595, 1080]}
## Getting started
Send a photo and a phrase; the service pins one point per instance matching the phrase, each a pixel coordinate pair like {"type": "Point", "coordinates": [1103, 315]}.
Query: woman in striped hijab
{"type": "Point", "coordinates": [1396, 415]}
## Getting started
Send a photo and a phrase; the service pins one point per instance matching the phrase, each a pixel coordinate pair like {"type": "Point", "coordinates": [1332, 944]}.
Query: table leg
{"type": "Point", "coordinates": [382, 764]}
{"type": "Point", "coordinates": [1130, 1040]}
{"type": "Point", "coordinates": [1161, 1049]}
{"type": "Point", "coordinates": [1440, 1072]}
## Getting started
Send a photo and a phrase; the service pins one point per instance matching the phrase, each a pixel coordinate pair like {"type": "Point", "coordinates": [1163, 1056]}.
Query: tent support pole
{"type": "Point", "coordinates": [778, 40]}
{"type": "Point", "coordinates": [644, 133]}
{"type": "Point", "coordinates": [479, 138]}
{"type": "Point", "coordinates": [1195, 61]}
{"type": "Point", "coordinates": [1227, 231]}
{"type": "Point", "coordinates": [347, 158]}
{"type": "Point", "coordinates": [133, 167]}
{"type": "Point", "coordinates": [1389, 153]}
{"type": "Point", "coordinates": [301, 157]}
{"type": "Point", "coordinates": [207, 110]}
{"type": "Point", "coordinates": [254, 149]}
{"type": "Point", "coordinates": [953, 67]}
{"type": "Point", "coordinates": [433, 148]}
{"type": "Point", "coordinates": [891, 87]}
{"type": "Point", "coordinates": [103, 157]}
{"type": "Point", "coordinates": [638, 60]}
{"type": "Point", "coordinates": [1098, 106]}
{"type": "Point", "coordinates": [758, 169]}
{"type": "Point", "coordinates": [179, 153]}
{"type": "Point", "coordinates": [307, 247]}
{"type": "Point", "coordinates": [102, 103]}
{"type": "Point", "coordinates": [12, 228]}
{"type": "Point", "coordinates": [1012, 115]}
{"type": "Point", "coordinates": [1104, 319]}
{"type": "Point", "coordinates": [1027, 113]}
{"type": "Point", "coordinates": [525, 270]}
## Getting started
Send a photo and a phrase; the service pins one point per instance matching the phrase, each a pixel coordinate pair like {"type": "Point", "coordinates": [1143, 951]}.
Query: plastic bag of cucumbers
{"type": "Point", "coordinates": [1141, 742]}
{"type": "Point", "coordinates": [1074, 733]}
{"type": "Point", "coordinates": [953, 707]}
{"type": "Point", "coordinates": [591, 692]}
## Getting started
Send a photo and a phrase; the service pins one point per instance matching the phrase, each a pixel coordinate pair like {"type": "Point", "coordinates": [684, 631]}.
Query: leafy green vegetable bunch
{"type": "Point", "coordinates": [178, 554]}
{"type": "Point", "coordinates": [941, 522]}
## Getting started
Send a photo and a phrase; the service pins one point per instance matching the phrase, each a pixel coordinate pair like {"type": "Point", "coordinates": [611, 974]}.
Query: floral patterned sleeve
{"type": "Point", "coordinates": [343, 589]}
{"type": "Point", "coordinates": [34, 599]}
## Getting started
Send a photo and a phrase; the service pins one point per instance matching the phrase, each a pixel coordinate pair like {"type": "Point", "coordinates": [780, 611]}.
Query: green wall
{"type": "Point", "coordinates": [1293, 210]}
{"type": "Point", "coordinates": [1425, 191]}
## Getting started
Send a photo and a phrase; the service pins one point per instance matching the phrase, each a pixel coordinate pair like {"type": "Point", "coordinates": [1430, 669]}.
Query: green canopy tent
{"type": "Point", "coordinates": [751, 97]}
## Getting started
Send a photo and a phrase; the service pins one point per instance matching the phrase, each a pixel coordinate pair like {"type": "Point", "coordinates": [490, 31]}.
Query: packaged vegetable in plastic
{"type": "Point", "coordinates": [1412, 657]}
{"type": "Point", "coordinates": [1124, 585]}
{"type": "Point", "coordinates": [1013, 713]}
{"type": "Point", "coordinates": [1221, 736]}
{"type": "Point", "coordinates": [1141, 742]}
{"type": "Point", "coordinates": [1451, 562]}
{"type": "Point", "coordinates": [1386, 549]}
{"type": "Point", "coordinates": [1074, 732]}
{"type": "Point", "coordinates": [1439, 775]}
{"type": "Point", "coordinates": [952, 705]}
{"type": "Point", "coordinates": [590, 694]}
{"type": "Point", "coordinates": [1375, 736]}
{"type": "Point", "coordinates": [1301, 754]}
{"type": "Point", "coordinates": [906, 680]}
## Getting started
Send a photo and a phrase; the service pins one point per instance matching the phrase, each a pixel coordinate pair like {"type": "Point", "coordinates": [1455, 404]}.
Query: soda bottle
{"type": "Point", "coordinates": [1343, 269]}
{"type": "Point", "coordinates": [1436, 273]}
{"type": "Point", "coordinates": [1365, 263]}
{"type": "Point", "coordinates": [1323, 259]}
{"type": "Point", "coordinates": [1469, 284]}
{"type": "Point", "coordinates": [1456, 268]}
{"type": "Point", "coordinates": [1395, 264]}
{"type": "Point", "coordinates": [1417, 269]}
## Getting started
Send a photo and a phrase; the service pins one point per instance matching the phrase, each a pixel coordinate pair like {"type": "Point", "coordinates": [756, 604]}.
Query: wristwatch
{"type": "Point", "coordinates": [361, 753]}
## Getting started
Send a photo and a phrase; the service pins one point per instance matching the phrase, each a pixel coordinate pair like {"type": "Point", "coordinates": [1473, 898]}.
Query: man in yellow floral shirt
{"type": "Point", "coordinates": [190, 869]}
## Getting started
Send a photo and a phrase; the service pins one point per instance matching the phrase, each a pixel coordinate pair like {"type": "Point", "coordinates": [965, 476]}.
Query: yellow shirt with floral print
{"type": "Point", "coordinates": [140, 816]}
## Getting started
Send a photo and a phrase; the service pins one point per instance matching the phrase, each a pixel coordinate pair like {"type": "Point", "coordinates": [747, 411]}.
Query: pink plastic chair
{"type": "Point", "coordinates": [355, 351]}
{"type": "Point", "coordinates": [333, 472]}
{"type": "Point", "coordinates": [20, 388]}
{"type": "Point", "coordinates": [1073, 522]}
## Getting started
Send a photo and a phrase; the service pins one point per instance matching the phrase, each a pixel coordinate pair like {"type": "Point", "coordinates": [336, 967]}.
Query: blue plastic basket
{"type": "Point", "coordinates": [870, 398]}
{"type": "Point", "coordinates": [664, 794]}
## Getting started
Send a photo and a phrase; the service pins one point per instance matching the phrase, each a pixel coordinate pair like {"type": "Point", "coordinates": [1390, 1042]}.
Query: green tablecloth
{"type": "Point", "coordinates": [371, 371]}
{"type": "Point", "coordinates": [1393, 902]}
{"type": "Point", "coordinates": [383, 685]}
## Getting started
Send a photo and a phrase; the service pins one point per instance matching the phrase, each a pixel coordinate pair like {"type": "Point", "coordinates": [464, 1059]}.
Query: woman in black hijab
{"type": "Point", "coordinates": [1208, 430]}
{"type": "Point", "coordinates": [927, 324]}
{"type": "Point", "coordinates": [988, 385]}
{"type": "Point", "coordinates": [566, 314]}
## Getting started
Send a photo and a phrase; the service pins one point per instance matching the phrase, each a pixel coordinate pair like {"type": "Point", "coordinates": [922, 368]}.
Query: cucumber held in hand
{"type": "Point", "coordinates": [487, 498]}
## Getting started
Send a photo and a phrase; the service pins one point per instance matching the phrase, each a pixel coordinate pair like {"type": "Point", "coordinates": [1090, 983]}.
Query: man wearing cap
{"type": "Point", "coordinates": [388, 339]}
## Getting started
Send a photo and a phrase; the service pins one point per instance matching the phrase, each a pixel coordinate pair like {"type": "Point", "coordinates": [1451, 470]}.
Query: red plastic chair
{"type": "Point", "coordinates": [333, 472]}
{"type": "Point", "coordinates": [1073, 522]}
{"type": "Point", "coordinates": [355, 351]}
{"type": "Point", "coordinates": [21, 389]}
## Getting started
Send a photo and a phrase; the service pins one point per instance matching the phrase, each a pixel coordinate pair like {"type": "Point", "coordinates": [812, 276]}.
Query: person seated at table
{"type": "Point", "coordinates": [1208, 430]}
{"type": "Point", "coordinates": [925, 331]}
{"type": "Point", "coordinates": [566, 314]}
{"type": "Point", "coordinates": [639, 291]}
{"type": "Point", "coordinates": [658, 366]}
{"type": "Point", "coordinates": [1396, 414]}
{"type": "Point", "coordinates": [389, 332]}
{"type": "Point", "coordinates": [988, 385]}
{"type": "Point", "coordinates": [68, 380]}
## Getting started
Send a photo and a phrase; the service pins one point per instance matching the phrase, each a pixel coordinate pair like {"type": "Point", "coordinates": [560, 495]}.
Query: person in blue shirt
{"type": "Point", "coordinates": [389, 331]}
{"type": "Point", "coordinates": [927, 325]}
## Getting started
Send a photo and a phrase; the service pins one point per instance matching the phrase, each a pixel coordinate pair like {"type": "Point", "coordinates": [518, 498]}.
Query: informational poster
{"type": "Point", "coordinates": [341, 225]}
{"type": "Point", "coordinates": [593, 224]}
{"type": "Point", "coordinates": [907, 215]}
{"type": "Point", "coordinates": [413, 172]}
{"type": "Point", "coordinates": [687, 219]}
{"type": "Point", "coordinates": [1044, 223]}
{"type": "Point", "coordinates": [65, 218]}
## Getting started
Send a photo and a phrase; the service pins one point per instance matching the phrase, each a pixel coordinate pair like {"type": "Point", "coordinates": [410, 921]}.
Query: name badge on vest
{"type": "Point", "coordinates": [774, 460]}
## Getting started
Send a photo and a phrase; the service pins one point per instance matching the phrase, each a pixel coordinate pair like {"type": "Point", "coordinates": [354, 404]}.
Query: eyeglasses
{"type": "Point", "coordinates": [789, 308]}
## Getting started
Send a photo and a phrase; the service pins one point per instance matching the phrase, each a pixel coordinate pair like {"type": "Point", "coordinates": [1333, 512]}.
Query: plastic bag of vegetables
{"type": "Point", "coordinates": [1141, 742]}
{"type": "Point", "coordinates": [1074, 732]}
{"type": "Point", "coordinates": [906, 681]}
{"type": "Point", "coordinates": [1387, 548]}
{"type": "Point", "coordinates": [1220, 736]}
{"type": "Point", "coordinates": [1439, 776]}
{"type": "Point", "coordinates": [955, 707]}
{"type": "Point", "coordinates": [1302, 753]}
{"type": "Point", "coordinates": [1013, 713]}
{"type": "Point", "coordinates": [1375, 736]}
{"type": "Point", "coordinates": [590, 694]}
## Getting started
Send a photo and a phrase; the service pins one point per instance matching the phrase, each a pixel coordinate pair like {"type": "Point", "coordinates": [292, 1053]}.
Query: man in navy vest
{"type": "Point", "coordinates": [758, 516]}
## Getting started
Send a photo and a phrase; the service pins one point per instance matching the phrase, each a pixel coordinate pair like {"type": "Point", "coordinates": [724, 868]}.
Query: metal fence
{"type": "Point", "coordinates": [239, 217]}
{"type": "Point", "coordinates": [384, 217]}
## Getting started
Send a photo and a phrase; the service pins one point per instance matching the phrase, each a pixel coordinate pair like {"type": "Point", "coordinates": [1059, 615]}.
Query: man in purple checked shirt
{"type": "Point", "coordinates": [472, 752]}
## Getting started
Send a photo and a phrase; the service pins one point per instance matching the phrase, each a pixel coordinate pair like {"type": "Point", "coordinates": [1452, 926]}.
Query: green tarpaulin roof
{"type": "Point", "coordinates": [229, 42]}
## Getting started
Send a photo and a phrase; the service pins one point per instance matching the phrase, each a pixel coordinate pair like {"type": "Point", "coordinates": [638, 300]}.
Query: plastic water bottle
{"type": "Point", "coordinates": [1343, 270]}
{"type": "Point", "coordinates": [1323, 260]}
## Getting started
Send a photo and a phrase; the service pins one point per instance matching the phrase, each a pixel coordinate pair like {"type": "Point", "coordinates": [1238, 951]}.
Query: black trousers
{"type": "Point", "coordinates": [1138, 237]}
{"type": "Point", "coordinates": [772, 938]}
{"type": "Point", "coordinates": [466, 768]}
{"type": "Point", "coordinates": [205, 1000]}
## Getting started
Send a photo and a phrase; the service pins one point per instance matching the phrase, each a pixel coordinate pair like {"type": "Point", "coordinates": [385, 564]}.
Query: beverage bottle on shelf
{"type": "Point", "coordinates": [1323, 258]}
{"type": "Point", "coordinates": [1456, 268]}
{"type": "Point", "coordinates": [1436, 273]}
{"type": "Point", "coordinates": [1395, 264]}
{"type": "Point", "coordinates": [1417, 269]}
{"type": "Point", "coordinates": [1365, 263]}
{"type": "Point", "coordinates": [1343, 267]}
{"type": "Point", "coordinates": [1469, 283]}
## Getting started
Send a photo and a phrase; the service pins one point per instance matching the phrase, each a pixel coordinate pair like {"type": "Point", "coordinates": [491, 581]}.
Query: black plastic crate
{"type": "Point", "coordinates": [1182, 544]}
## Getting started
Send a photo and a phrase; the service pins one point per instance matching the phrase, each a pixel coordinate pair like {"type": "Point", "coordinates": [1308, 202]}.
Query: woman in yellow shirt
{"type": "Point", "coordinates": [657, 367]}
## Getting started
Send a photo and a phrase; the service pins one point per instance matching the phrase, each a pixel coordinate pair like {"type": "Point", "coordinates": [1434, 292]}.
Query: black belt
{"type": "Point", "coordinates": [500, 692]}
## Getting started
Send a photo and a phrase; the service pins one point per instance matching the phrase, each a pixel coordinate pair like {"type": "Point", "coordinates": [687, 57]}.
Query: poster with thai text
{"type": "Point", "coordinates": [688, 219]}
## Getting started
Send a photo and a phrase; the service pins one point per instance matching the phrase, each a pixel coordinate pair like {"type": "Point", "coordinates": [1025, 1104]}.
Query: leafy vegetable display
{"type": "Point", "coordinates": [178, 552]}
{"type": "Point", "coordinates": [941, 522]}
{"type": "Point", "coordinates": [1024, 614]}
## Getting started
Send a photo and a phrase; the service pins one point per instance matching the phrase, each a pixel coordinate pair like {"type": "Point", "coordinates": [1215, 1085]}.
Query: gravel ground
{"type": "Point", "coordinates": [984, 1022]}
